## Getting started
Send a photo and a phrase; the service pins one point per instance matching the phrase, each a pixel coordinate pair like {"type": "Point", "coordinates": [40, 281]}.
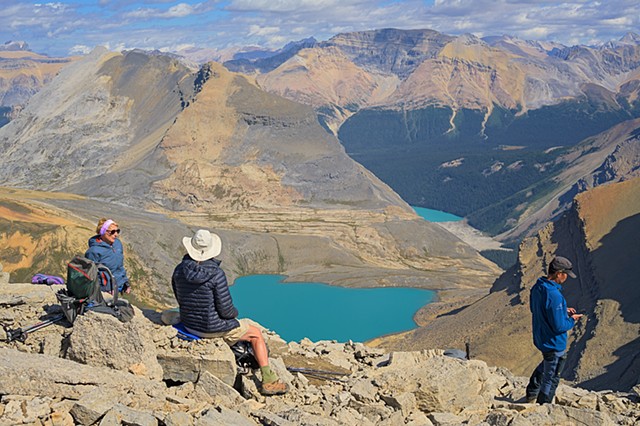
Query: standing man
{"type": "Point", "coordinates": [551, 320]}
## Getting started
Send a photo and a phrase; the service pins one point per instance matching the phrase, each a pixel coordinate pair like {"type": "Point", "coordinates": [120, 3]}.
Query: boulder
{"type": "Point", "coordinates": [219, 391]}
{"type": "Point", "coordinates": [122, 415]}
{"type": "Point", "coordinates": [36, 374]}
{"type": "Point", "coordinates": [552, 414]}
{"type": "Point", "coordinates": [364, 391]}
{"type": "Point", "coordinates": [178, 418]}
{"type": "Point", "coordinates": [212, 355]}
{"type": "Point", "coordinates": [439, 383]}
{"type": "Point", "coordinates": [224, 416]}
{"type": "Point", "coordinates": [445, 419]}
{"type": "Point", "coordinates": [95, 404]}
{"type": "Point", "coordinates": [102, 340]}
{"type": "Point", "coordinates": [23, 409]}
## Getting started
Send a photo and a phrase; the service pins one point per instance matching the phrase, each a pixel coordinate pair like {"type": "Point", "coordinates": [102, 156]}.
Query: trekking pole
{"type": "Point", "coordinates": [21, 334]}
{"type": "Point", "coordinates": [467, 347]}
{"type": "Point", "coordinates": [319, 374]}
{"type": "Point", "coordinates": [310, 370]}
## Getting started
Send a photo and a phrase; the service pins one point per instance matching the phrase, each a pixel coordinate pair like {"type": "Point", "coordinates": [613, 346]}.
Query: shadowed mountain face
{"type": "Point", "coordinates": [612, 156]}
{"type": "Point", "coordinates": [462, 124]}
{"type": "Point", "coordinates": [599, 234]}
{"type": "Point", "coordinates": [210, 149]}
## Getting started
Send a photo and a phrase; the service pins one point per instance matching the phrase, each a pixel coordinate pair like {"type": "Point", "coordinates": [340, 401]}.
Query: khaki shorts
{"type": "Point", "coordinates": [231, 336]}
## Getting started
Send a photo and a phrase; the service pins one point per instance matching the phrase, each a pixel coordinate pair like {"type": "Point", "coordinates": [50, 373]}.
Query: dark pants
{"type": "Point", "coordinates": [545, 378]}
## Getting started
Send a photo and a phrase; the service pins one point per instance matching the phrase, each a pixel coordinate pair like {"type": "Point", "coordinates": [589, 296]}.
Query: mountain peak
{"type": "Point", "coordinates": [14, 46]}
{"type": "Point", "coordinates": [630, 38]}
{"type": "Point", "coordinates": [469, 39]}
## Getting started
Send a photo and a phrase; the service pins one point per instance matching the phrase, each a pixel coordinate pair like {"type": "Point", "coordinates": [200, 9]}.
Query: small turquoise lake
{"type": "Point", "coordinates": [324, 312]}
{"type": "Point", "coordinates": [436, 215]}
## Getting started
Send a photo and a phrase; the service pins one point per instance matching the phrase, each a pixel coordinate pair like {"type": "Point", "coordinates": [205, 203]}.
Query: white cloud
{"type": "Point", "coordinates": [622, 21]}
{"type": "Point", "coordinates": [80, 49]}
{"type": "Point", "coordinates": [288, 5]}
{"type": "Point", "coordinates": [256, 30]}
{"type": "Point", "coordinates": [180, 10]}
{"type": "Point", "coordinates": [56, 27]}
{"type": "Point", "coordinates": [536, 33]}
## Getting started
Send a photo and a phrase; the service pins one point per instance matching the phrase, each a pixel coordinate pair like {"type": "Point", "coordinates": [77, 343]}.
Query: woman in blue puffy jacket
{"type": "Point", "coordinates": [105, 248]}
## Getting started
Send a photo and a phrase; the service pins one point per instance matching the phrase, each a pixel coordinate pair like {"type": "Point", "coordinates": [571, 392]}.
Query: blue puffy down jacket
{"type": "Point", "coordinates": [202, 292]}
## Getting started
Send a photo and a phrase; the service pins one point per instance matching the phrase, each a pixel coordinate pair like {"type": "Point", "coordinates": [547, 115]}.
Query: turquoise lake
{"type": "Point", "coordinates": [324, 312]}
{"type": "Point", "coordinates": [436, 215]}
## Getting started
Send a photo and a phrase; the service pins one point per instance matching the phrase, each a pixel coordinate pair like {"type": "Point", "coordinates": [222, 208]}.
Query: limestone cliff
{"type": "Point", "coordinates": [81, 123]}
{"type": "Point", "coordinates": [599, 234]}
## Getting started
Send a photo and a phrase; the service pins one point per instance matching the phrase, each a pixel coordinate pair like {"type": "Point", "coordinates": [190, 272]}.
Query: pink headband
{"type": "Point", "coordinates": [105, 226]}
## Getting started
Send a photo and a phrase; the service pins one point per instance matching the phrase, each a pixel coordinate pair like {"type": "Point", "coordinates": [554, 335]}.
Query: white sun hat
{"type": "Point", "coordinates": [203, 245]}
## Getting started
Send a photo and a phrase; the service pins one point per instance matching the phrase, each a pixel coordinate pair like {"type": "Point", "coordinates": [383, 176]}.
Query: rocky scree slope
{"type": "Point", "coordinates": [599, 234]}
{"type": "Point", "coordinates": [101, 371]}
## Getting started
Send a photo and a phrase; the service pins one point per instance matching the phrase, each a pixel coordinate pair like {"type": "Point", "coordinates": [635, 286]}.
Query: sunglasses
{"type": "Point", "coordinates": [113, 231]}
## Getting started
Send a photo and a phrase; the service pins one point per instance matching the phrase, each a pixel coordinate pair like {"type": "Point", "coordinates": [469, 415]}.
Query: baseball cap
{"type": "Point", "coordinates": [562, 264]}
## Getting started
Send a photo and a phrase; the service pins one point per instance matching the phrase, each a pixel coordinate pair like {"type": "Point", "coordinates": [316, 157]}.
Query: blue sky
{"type": "Point", "coordinates": [60, 28]}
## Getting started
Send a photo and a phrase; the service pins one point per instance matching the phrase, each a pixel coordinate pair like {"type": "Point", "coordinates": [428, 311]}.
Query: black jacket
{"type": "Point", "coordinates": [203, 295]}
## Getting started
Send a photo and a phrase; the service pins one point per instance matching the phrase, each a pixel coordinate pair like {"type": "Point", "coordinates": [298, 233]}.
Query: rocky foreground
{"type": "Point", "coordinates": [101, 371]}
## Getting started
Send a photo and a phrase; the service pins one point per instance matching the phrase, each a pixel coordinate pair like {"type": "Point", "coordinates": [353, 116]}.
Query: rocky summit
{"type": "Point", "coordinates": [103, 372]}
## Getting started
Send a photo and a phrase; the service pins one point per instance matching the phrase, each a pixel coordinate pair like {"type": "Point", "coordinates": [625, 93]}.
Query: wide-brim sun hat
{"type": "Point", "coordinates": [204, 245]}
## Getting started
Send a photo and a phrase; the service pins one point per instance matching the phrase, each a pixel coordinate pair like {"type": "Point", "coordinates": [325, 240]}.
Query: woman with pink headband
{"type": "Point", "coordinates": [105, 248]}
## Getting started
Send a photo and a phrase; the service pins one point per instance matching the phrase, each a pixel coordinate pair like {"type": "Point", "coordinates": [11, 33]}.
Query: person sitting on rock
{"type": "Point", "coordinates": [206, 307]}
{"type": "Point", "coordinates": [105, 248]}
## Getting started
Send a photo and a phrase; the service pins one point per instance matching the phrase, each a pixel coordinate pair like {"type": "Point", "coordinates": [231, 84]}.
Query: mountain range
{"type": "Point", "coordinates": [305, 168]}
{"type": "Point", "coordinates": [461, 123]}
{"type": "Point", "coordinates": [210, 149]}
{"type": "Point", "coordinates": [481, 128]}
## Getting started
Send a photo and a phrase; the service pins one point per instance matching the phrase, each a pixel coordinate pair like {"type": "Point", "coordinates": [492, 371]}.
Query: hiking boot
{"type": "Point", "coordinates": [274, 388]}
{"type": "Point", "coordinates": [530, 399]}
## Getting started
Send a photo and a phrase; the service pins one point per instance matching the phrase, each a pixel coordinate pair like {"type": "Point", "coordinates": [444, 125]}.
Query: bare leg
{"type": "Point", "coordinates": [254, 336]}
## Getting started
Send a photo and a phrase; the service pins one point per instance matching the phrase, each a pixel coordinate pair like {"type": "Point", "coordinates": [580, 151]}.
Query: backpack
{"type": "Point", "coordinates": [84, 278]}
{"type": "Point", "coordinates": [245, 357]}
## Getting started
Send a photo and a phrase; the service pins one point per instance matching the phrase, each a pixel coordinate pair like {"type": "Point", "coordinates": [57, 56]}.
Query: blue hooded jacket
{"type": "Point", "coordinates": [550, 319]}
{"type": "Point", "coordinates": [111, 256]}
{"type": "Point", "coordinates": [202, 292]}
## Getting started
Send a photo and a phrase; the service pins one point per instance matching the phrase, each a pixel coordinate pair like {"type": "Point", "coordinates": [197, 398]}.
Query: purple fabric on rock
{"type": "Point", "coordinates": [46, 279]}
